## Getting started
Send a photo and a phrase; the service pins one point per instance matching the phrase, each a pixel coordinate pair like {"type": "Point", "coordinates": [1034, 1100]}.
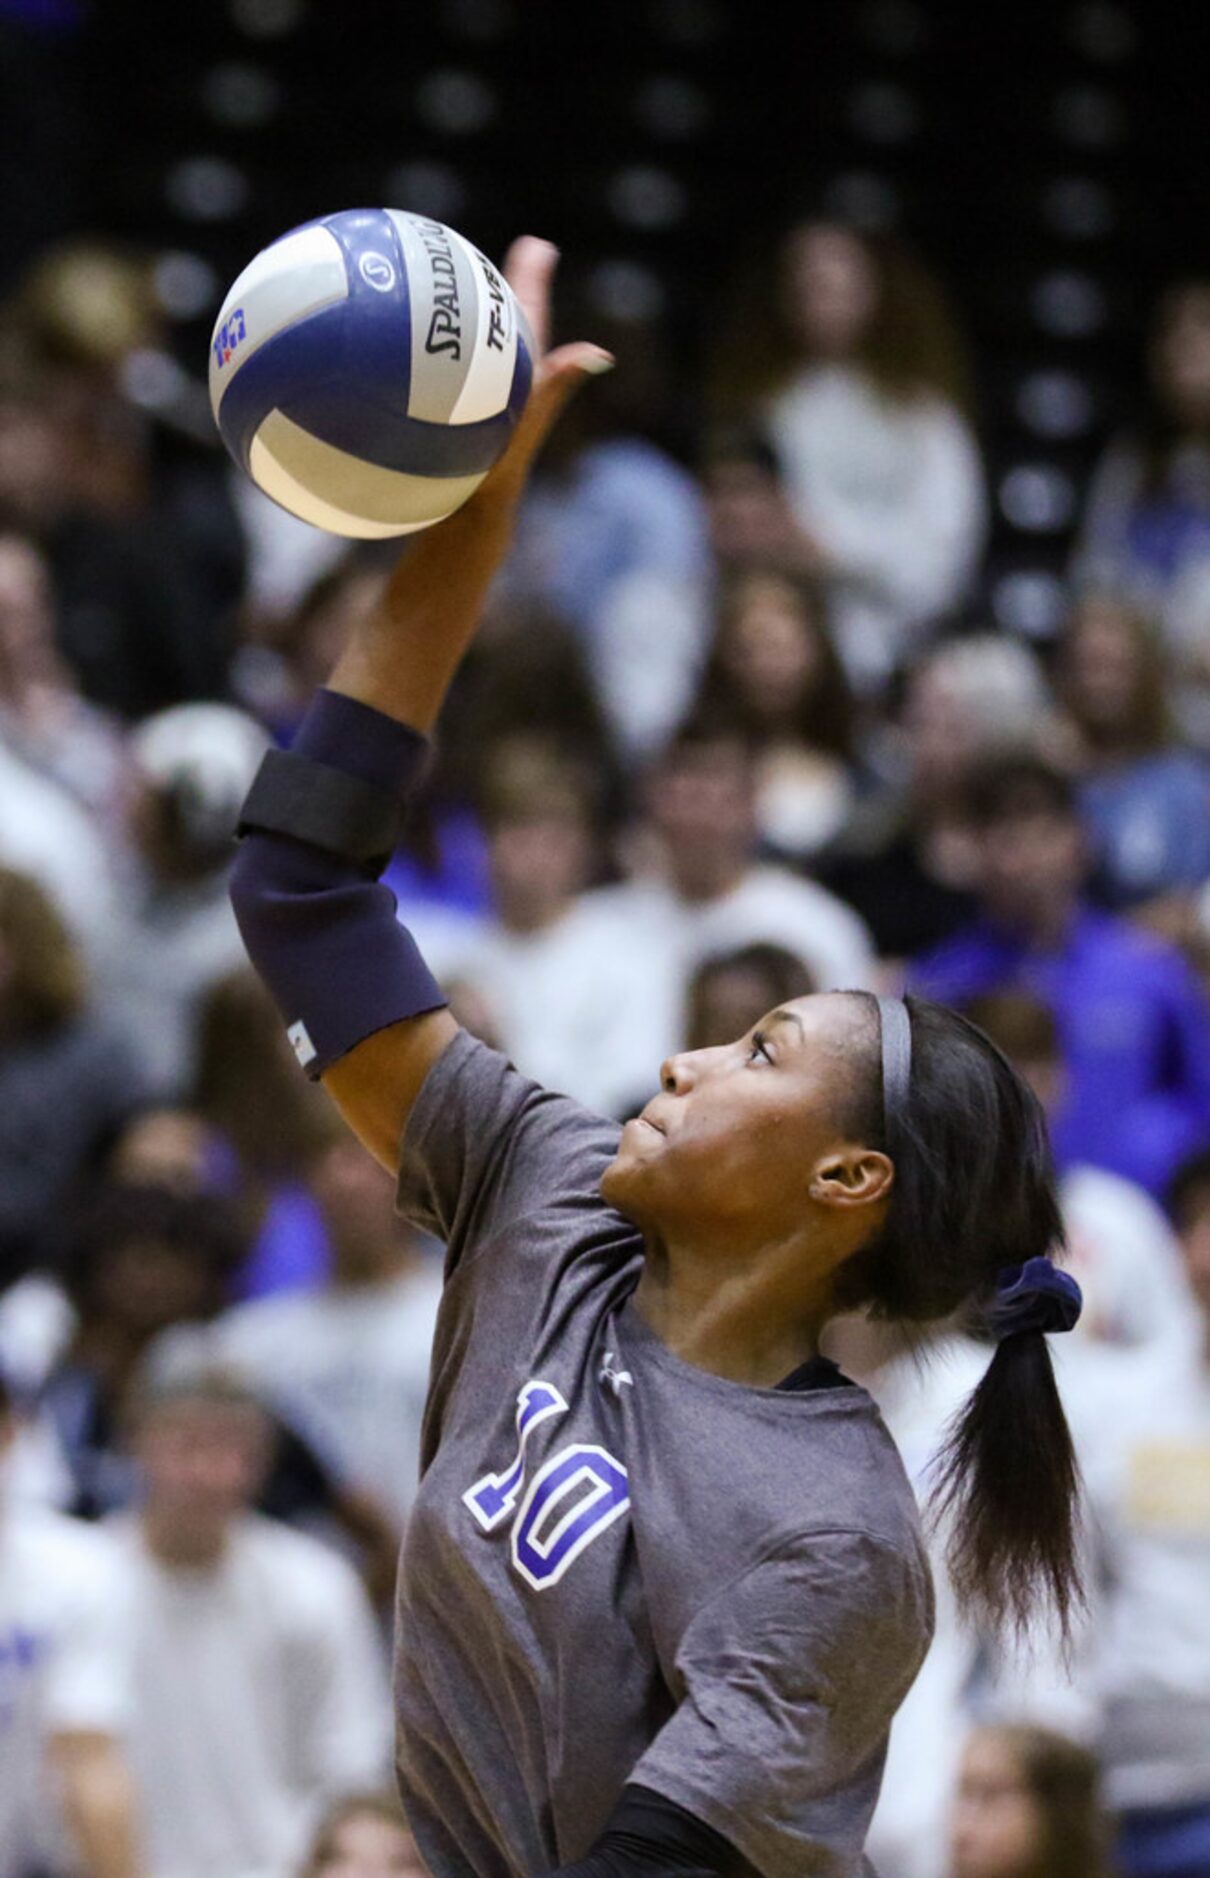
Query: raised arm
{"type": "Point", "coordinates": [399, 663]}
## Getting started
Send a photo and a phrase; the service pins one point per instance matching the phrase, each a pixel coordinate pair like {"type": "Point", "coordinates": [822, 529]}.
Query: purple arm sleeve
{"type": "Point", "coordinates": [322, 936]}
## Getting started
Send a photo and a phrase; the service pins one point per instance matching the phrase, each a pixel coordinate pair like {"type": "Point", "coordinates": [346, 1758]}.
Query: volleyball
{"type": "Point", "coordinates": [367, 370]}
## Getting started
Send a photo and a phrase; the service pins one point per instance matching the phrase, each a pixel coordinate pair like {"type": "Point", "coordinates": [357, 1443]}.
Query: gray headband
{"type": "Point", "coordinates": [896, 1062]}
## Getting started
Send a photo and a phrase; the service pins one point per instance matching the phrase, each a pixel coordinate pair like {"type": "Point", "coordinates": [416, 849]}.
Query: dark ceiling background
{"type": "Point", "coordinates": [1052, 162]}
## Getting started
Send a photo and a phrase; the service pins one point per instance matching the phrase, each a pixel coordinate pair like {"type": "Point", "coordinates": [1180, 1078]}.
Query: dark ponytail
{"type": "Point", "coordinates": [1007, 1477]}
{"type": "Point", "coordinates": [974, 1194]}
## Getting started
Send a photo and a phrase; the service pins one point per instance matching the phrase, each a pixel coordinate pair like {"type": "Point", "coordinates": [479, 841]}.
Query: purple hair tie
{"type": "Point", "coordinates": [1033, 1296]}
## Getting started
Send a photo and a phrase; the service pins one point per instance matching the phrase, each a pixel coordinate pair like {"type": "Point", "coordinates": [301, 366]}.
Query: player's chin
{"type": "Point", "coordinates": [626, 1178]}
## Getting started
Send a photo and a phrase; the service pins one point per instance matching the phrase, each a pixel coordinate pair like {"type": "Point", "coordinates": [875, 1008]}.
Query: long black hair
{"type": "Point", "coordinates": [974, 1193]}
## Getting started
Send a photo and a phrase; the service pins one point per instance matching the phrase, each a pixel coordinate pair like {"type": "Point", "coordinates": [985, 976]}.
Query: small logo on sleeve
{"type": "Point", "coordinates": [300, 1043]}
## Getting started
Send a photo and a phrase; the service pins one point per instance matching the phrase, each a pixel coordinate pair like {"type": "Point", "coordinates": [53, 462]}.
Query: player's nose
{"type": "Point", "coordinates": [684, 1071]}
{"type": "Point", "coordinates": [678, 1073]}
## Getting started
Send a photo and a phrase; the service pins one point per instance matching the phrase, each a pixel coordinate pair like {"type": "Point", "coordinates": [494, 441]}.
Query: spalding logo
{"type": "Point", "coordinates": [445, 322]}
{"type": "Point", "coordinates": [230, 334]}
{"type": "Point", "coordinates": [376, 271]}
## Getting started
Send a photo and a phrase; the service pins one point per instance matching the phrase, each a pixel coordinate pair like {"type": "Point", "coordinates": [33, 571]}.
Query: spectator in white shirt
{"type": "Point", "coordinates": [43, 717]}
{"type": "Point", "coordinates": [919, 1389]}
{"type": "Point", "coordinates": [612, 536]}
{"type": "Point", "coordinates": [259, 1679]}
{"type": "Point", "coordinates": [172, 934]}
{"type": "Point", "coordinates": [1142, 1425]}
{"type": "Point", "coordinates": [1146, 527]}
{"type": "Point", "coordinates": [704, 890]}
{"type": "Point", "coordinates": [347, 1365]}
{"type": "Point", "coordinates": [1120, 1246]}
{"type": "Point", "coordinates": [701, 807]}
{"type": "Point", "coordinates": [863, 389]}
{"type": "Point", "coordinates": [66, 1800]}
{"type": "Point", "coordinates": [67, 1079]}
{"type": "Point", "coordinates": [550, 992]}
{"type": "Point", "coordinates": [1137, 1310]}
{"type": "Point", "coordinates": [590, 989]}
{"type": "Point", "coordinates": [46, 832]}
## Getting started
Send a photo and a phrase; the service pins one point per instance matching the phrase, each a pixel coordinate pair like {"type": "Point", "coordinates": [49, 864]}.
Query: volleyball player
{"type": "Point", "coordinates": [663, 1587]}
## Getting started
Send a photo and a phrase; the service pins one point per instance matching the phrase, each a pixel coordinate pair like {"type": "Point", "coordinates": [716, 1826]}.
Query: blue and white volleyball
{"type": "Point", "coordinates": [367, 370]}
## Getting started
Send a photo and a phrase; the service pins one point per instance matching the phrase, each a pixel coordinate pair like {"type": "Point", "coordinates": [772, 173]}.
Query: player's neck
{"type": "Point", "coordinates": [736, 1326]}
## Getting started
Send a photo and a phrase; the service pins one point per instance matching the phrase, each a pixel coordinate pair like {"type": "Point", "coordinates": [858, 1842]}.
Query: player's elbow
{"type": "Point", "coordinates": [273, 895]}
{"type": "Point", "coordinates": [252, 884]}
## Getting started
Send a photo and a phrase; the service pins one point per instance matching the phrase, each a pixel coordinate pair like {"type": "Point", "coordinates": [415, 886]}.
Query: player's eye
{"type": "Point", "coordinates": [759, 1047]}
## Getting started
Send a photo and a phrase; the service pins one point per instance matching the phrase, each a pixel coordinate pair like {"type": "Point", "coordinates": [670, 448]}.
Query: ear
{"type": "Point", "coordinates": [852, 1176]}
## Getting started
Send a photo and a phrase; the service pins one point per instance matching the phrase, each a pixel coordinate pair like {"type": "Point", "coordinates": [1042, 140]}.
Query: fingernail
{"type": "Point", "coordinates": [598, 362]}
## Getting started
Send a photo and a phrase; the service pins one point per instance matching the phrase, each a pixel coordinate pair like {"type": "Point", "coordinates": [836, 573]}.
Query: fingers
{"type": "Point", "coordinates": [529, 269]}
{"type": "Point", "coordinates": [559, 376]}
{"type": "Point", "coordinates": [562, 373]}
{"type": "Point", "coordinates": [570, 365]}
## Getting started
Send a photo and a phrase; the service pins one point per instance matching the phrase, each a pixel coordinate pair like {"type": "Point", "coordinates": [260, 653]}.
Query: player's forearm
{"type": "Point", "coordinates": [402, 658]}
{"type": "Point", "coordinates": [99, 1803]}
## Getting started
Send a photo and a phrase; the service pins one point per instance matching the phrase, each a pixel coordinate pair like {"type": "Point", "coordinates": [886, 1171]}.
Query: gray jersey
{"type": "Point", "coordinates": [620, 1567]}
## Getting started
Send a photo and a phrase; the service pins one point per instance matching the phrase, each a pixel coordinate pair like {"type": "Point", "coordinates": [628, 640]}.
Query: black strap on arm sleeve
{"type": "Point", "coordinates": [319, 825]}
{"type": "Point", "coordinates": [647, 1836]}
{"type": "Point", "coordinates": [330, 808]}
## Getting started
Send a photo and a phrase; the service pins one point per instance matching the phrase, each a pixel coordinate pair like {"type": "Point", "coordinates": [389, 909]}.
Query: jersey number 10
{"type": "Point", "coordinates": [571, 1500]}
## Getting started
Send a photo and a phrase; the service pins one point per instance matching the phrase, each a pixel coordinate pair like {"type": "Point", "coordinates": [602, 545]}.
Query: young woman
{"type": "Point", "coordinates": [774, 671]}
{"type": "Point", "coordinates": [1144, 793]}
{"type": "Point", "coordinates": [67, 1079]}
{"type": "Point", "coordinates": [364, 1836]}
{"type": "Point", "coordinates": [1027, 1807]}
{"type": "Point", "coordinates": [663, 1587]}
{"type": "Point", "coordinates": [730, 991]}
{"type": "Point", "coordinates": [1147, 523]}
{"type": "Point", "coordinates": [856, 371]}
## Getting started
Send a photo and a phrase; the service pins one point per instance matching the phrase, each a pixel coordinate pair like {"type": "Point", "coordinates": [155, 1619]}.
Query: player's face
{"type": "Point", "coordinates": [732, 1148]}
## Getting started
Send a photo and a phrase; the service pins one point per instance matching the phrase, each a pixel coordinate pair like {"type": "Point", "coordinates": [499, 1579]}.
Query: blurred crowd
{"type": "Point", "coordinates": [734, 730]}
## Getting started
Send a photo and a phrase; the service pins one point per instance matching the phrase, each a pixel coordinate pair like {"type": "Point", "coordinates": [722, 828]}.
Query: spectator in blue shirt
{"type": "Point", "coordinates": [1147, 524]}
{"type": "Point", "coordinates": [1133, 1019]}
{"type": "Point", "coordinates": [1145, 798]}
